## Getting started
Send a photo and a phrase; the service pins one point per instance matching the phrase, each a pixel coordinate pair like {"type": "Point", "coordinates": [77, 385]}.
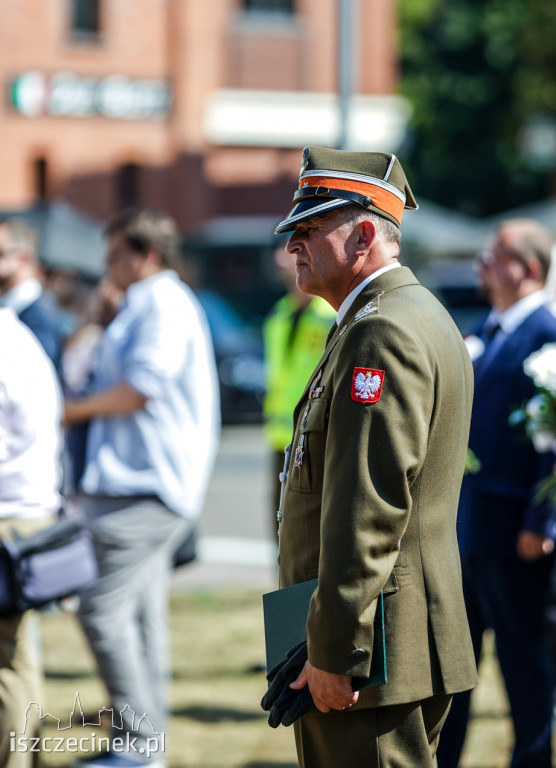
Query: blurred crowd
{"type": "Point", "coordinates": [141, 414]}
{"type": "Point", "coordinates": [109, 409]}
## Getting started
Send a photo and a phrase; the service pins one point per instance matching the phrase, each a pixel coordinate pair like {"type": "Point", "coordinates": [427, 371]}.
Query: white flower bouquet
{"type": "Point", "coordinates": [538, 415]}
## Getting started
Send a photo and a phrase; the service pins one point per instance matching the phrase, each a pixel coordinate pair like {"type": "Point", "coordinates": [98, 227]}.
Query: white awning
{"type": "Point", "coordinates": [295, 119]}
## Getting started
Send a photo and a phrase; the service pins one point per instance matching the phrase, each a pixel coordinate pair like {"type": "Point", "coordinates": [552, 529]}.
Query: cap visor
{"type": "Point", "coordinates": [306, 209]}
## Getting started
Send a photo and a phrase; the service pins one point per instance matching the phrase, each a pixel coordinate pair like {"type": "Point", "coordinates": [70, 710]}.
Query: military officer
{"type": "Point", "coordinates": [376, 466]}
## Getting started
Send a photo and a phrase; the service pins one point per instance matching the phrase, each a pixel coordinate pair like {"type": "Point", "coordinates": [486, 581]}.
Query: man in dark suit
{"type": "Point", "coordinates": [20, 289]}
{"type": "Point", "coordinates": [502, 530]}
{"type": "Point", "coordinates": [373, 483]}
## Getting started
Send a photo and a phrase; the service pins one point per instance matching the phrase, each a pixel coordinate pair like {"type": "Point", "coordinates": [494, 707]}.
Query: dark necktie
{"type": "Point", "coordinates": [487, 336]}
{"type": "Point", "coordinates": [489, 333]}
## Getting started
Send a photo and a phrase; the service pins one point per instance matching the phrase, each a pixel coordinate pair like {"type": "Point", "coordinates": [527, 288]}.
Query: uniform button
{"type": "Point", "coordinates": [359, 653]}
{"type": "Point", "coordinates": [278, 559]}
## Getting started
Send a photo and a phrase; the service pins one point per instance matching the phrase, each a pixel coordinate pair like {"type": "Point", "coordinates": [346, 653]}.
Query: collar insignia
{"type": "Point", "coordinates": [367, 309]}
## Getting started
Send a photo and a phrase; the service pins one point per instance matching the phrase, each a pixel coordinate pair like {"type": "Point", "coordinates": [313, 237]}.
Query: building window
{"type": "Point", "coordinates": [40, 179]}
{"type": "Point", "coordinates": [127, 186]}
{"type": "Point", "coordinates": [269, 6]}
{"type": "Point", "coordinates": [85, 18]}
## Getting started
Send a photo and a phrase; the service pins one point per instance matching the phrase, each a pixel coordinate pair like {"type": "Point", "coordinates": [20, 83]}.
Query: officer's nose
{"type": "Point", "coordinates": [293, 245]}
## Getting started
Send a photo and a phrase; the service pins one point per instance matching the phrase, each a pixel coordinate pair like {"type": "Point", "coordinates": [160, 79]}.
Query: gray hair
{"type": "Point", "coordinates": [24, 237]}
{"type": "Point", "coordinates": [387, 230]}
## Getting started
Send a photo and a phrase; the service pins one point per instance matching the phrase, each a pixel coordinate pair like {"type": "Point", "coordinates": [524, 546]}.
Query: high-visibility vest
{"type": "Point", "coordinates": [290, 360]}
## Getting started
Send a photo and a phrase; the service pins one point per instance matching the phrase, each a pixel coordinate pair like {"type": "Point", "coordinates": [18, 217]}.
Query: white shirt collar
{"type": "Point", "coordinates": [515, 315]}
{"type": "Point", "coordinates": [22, 295]}
{"type": "Point", "coordinates": [142, 287]}
{"type": "Point", "coordinates": [350, 298]}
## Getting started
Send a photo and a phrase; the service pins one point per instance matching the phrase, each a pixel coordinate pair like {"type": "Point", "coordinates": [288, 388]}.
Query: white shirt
{"type": "Point", "coordinates": [507, 322]}
{"type": "Point", "coordinates": [350, 298]}
{"type": "Point", "coordinates": [515, 315]}
{"type": "Point", "coordinates": [160, 345]}
{"type": "Point", "coordinates": [22, 295]}
{"type": "Point", "coordinates": [30, 424]}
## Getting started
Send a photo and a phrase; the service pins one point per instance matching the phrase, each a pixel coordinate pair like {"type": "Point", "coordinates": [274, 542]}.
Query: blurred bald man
{"type": "Point", "coordinates": [505, 551]}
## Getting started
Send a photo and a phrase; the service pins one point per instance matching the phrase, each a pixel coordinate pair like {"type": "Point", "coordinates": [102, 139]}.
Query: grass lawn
{"type": "Point", "coordinates": [216, 720]}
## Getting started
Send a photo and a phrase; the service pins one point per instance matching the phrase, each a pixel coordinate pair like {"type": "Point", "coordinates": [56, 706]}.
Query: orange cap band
{"type": "Point", "coordinates": [379, 197]}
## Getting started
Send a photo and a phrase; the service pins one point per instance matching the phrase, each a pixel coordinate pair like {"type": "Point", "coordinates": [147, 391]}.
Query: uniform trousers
{"type": "Point", "coordinates": [509, 596]}
{"type": "Point", "coordinates": [124, 614]}
{"type": "Point", "coordinates": [21, 681]}
{"type": "Point", "coordinates": [398, 736]}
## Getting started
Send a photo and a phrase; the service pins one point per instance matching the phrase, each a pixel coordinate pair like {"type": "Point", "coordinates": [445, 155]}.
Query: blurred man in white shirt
{"type": "Point", "coordinates": [154, 423]}
{"type": "Point", "coordinates": [30, 478]}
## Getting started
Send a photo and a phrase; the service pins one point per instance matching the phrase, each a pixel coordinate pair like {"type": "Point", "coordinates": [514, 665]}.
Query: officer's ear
{"type": "Point", "coordinates": [366, 233]}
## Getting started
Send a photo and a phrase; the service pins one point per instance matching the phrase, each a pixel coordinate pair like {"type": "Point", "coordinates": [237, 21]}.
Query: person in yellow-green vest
{"type": "Point", "coordinates": [294, 338]}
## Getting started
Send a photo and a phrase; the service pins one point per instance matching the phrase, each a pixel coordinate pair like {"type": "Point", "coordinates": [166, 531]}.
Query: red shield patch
{"type": "Point", "coordinates": [366, 386]}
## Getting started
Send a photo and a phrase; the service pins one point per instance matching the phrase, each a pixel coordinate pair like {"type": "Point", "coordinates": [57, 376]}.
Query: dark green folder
{"type": "Point", "coordinates": [285, 619]}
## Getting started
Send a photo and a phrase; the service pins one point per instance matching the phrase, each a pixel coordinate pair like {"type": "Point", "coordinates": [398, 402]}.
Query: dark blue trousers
{"type": "Point", "coordinates": [509, 596]}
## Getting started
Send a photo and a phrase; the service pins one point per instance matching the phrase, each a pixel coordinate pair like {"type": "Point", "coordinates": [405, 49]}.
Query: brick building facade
{"type": "Point", "coordinates": [198, 107]}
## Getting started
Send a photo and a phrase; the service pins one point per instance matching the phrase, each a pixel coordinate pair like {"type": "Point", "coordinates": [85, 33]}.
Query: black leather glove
{"type": "Point", "coordinates": [286, 670]}
{"type": "Point", "coordinates": [290, 706]}
{"type": "Point", "coordinates": [285, 704]}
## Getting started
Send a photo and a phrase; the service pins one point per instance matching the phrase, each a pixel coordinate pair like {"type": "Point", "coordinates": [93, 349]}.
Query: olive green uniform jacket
{"type": "Point", "coordinates": [372, 493]}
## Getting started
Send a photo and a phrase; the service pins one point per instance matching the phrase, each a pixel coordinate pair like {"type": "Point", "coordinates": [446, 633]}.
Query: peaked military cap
{"type": "Point", "coordinates": [332, 178]}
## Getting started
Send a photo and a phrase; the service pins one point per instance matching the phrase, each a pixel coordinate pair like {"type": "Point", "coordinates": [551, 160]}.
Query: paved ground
{"type": "Point", "coordinates": [235, 545]}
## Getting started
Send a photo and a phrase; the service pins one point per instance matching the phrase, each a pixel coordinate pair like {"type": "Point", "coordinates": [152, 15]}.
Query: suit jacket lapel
{"type": "Point", "coordinates": [510, 348]}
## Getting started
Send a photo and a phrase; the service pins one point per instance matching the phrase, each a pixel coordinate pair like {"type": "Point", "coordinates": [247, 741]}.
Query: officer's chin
{"type": "Point", "coordinates": [302, 278]}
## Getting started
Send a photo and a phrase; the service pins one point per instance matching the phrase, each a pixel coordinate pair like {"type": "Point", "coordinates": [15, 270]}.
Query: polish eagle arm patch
{"type": "Point", "coordinates": [366, 385]}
